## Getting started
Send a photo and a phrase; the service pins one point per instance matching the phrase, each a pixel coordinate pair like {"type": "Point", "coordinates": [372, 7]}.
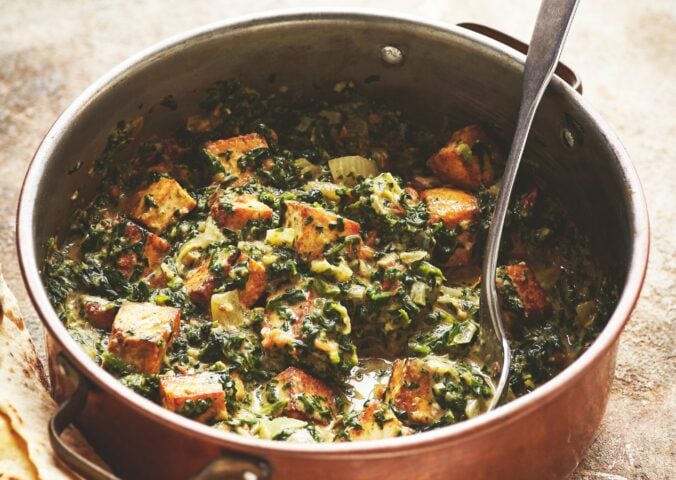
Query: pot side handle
{"type": "Point", "coordinates": [64, 416]}
{"type": "Point", "coordinates": [566, 73]}
{"type": "Point", "coordinates": [228, 466]}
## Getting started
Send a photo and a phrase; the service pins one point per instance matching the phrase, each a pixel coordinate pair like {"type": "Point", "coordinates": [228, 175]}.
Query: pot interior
{"type": "Point", "coordinates": [445, 76]}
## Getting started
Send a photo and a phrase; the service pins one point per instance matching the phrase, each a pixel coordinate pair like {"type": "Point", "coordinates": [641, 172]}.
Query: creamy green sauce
{"type": "Point", "coordinates": [299, 270]}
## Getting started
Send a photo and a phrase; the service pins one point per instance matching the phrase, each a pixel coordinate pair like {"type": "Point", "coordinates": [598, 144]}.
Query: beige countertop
{"type": "Point", "coordinates": [624, 51]}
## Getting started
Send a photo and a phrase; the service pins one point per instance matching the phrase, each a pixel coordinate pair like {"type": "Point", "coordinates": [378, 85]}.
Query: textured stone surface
{"type": "Point", "coordinates": [623, 50]}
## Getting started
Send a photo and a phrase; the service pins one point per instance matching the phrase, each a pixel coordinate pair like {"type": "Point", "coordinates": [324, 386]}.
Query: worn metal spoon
{"type": "Point", "coordinates": [549, 36]}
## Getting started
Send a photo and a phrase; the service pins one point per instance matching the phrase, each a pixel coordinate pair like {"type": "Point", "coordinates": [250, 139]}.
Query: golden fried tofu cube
{"type": "Point", "coordinates": [126, 263]}
{"type": "Point", "coordinates": [98, 311]}
{"type": "Point", "coordinates": [154, 249]}
{"type": "Point", "coordinates": [376, 421]}
{"type": "Point", "coordinates": [302, 396]}
{"type": "Point", "coordinates": [142, 333]}
{"type": "Point", "coordinates": [229, 150]}
{"type": "Point", "coordinates": [316, 228]}
{"type": "Point", "coordinates": [255, 282]}
{"type": "Point", "coordinates": [160, 204]}
{"type": "Point", "coordinates": [454, 208]}
{"type": "Point", "coordinates": [199, 396]}
{"type": "Point", "coordinates": [234, 212]}
{"type": "Point", "coordinates": [410, 391]}
{"type": "Point", "coordinates": [199, 282]}
{"type": "Point", "coordinates": [525, 285]}
{"type": "Point", "coordinates": [451, 206]}
{"type": "Point", "coordinates": [468, 160]}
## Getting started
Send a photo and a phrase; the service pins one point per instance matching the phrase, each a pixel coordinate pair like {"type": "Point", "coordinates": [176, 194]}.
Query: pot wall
{"type": "Point", "coordinates": [546, 442]}
{"type": "Point", "coordinates": [448, 76]}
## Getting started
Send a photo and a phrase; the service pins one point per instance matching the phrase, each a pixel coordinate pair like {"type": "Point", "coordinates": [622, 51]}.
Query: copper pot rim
{"type": "Point", "coordinates": [482, 424]}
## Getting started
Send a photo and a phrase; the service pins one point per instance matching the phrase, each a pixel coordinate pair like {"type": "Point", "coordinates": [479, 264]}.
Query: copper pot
{"type": "Point", "coordinates": [432, 71]}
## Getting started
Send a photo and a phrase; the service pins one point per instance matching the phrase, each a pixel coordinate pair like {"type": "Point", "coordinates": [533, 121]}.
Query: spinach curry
{"type": "Point", "coordinates": [308, 271]}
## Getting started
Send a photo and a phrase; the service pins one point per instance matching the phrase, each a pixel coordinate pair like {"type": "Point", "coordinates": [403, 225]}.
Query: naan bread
{"type": "Point", "coordinates": [25, 404]}
{"type": "Point", "coordinates": [14, 462]}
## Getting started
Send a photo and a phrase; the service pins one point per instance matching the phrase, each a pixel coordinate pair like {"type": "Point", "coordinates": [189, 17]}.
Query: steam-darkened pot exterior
{"type": "Point", "coordinates": [446, 72]}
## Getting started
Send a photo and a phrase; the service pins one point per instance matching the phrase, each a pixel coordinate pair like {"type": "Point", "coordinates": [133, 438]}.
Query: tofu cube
{"type": "Point", "coordinates": [229, 150]}
{"type": "Point", "coordinates": [316, 228]}
{"type": "Point", "coordinates": [451, 206]}
{"type": "Point", "coordinates": [142, 333]}
{"type": "Point", "coordinates": [98, 311]}
{"type": "Point", "coordinates": [234, 212]}
{"type": "Point", "coordinates": [410, 391]}
{"type": "Point", "coordinates": [161, 204]}
{"type": "Point", "coordinates": [455, 208]}
{"type": "Point", "coordinates": [301, 396]}
{"type": "Point", "coordinates": [200, 282]}
{"type": "Point", "coordinates": [255, 282]}
{"type": "Point", "coordinates": [468, 160]}
{"type": "Point", "coordinates": [521, 292]}
{"type": "Point", "coordinates": [154, 251]}
{"type": "Point", "coordinates": [374, 422]}
{"type": "Point", "coordinates": [199, 396]}
{"type": "Point", "coordinates": [435, 390]}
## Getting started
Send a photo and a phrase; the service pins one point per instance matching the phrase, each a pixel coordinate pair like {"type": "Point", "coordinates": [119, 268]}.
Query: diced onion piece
{"type": "Point", "coordinates": [346, 170]}
{"type": "Point", "coordinates": [226, 309]}
{"type": "Point", "coordinates": [466, 333]}
{"type": "Point", "coordinates": [449, 295]}
{"type": "Point", "coordinates": [365, 269]}
{"type": "Point", "coordinates": [412, 257]}
{"type": "Point", "coordinates": [388, 260]}
{"type": "Point", "coordinates": [296, 428]}
{"type": "Point", "coordinates": [307, 169]}
{"type": "Point", "coordinates": [419, 293]}
{"type": "Point", "coordinates": [281, 237]}
{"type": "Point", "coordinates": [210, 235]}
{"type": "Point", "coordinates": [269, 259]}
{"type": "Point", "coordinates": [356, 292]}
{"type": "Point", "coordinates": [340, 273]}
{"type": "Point", "coordinates": [386, 194]}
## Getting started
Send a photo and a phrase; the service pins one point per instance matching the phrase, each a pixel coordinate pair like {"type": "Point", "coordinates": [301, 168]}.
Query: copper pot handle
{"type": "Point", "coordinates": [566, 73]}
{"type": "Point", "coordinates": [229, 465]}
{"type": "Point", "coordinates": [64, 416]}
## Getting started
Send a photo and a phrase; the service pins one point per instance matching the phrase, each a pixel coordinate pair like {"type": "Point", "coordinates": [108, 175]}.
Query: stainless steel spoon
{"type": "Point", "coordinates": [549, 36]}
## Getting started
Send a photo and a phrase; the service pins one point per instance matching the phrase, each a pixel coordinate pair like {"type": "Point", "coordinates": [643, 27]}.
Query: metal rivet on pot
{"type": "Point", "coordinates": [391, 55]}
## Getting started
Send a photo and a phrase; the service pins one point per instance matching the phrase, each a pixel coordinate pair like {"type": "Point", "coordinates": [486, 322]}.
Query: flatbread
{"type": "Point", "coordinates": [25, 404]}
{"type": "Point", "coordinates": [14, 462]}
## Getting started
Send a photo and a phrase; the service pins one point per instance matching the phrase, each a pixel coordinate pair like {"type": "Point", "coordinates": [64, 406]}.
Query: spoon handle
{"type": "Point", "coordinates": [549, 35]}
